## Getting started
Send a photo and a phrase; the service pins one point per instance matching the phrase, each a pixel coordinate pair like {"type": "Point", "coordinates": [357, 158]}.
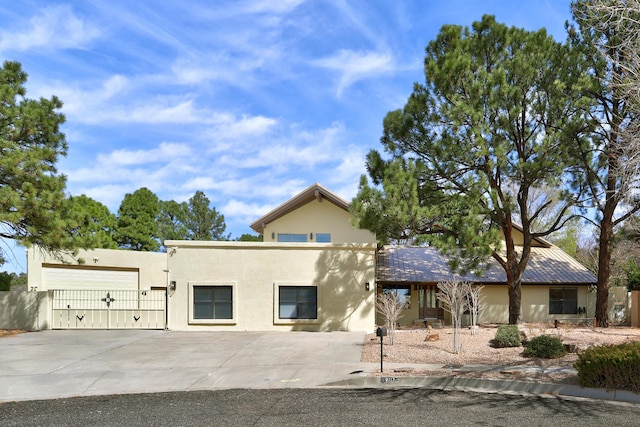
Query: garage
{"type": "Point", "coordinates": [87, 297]}
{"type": "Point", "coordinates": [89, 277]}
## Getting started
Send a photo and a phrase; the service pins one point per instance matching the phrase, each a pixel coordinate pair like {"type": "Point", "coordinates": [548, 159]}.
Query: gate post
{"type": "Point", "coordinates": [635, 309]}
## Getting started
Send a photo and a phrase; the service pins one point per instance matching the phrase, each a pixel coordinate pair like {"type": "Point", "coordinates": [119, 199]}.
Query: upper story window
{"type": "Point", "coordinates": [289, 237]}
{"type": "Point", "coordinates": [323, 237]}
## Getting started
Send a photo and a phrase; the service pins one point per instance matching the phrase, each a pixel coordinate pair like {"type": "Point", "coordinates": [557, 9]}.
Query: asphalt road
{"type": "Point", "coordinates": [318, 407]}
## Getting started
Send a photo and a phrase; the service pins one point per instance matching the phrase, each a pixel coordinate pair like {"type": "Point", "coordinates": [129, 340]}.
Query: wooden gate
{"type": "Point", "coordinates": [103, 309]}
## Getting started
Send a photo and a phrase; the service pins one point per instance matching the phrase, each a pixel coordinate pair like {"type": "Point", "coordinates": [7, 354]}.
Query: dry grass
{"type": "Point", "coordinates": [10, 332]}
{"type": "Point", "coordinates": [411, 347]}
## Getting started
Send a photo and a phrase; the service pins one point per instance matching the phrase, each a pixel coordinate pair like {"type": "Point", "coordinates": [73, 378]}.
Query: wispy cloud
{"type": "Point", "coordinates": [269, 6]}
{"type": "Point", "coordinates": [228, 126]}
{"type": "Point", "coordinates": [163, 152]}
{"type": "Point", "coordinates": [250, 101]}
{"type": "Point", "coordinates": [55, 27]}
{"type": "Point", "coordinates": [353, 66]}
{"type": "Point", "coordinates": [247, 211]}
{"type": "Point", "coordinates": [288, 149]}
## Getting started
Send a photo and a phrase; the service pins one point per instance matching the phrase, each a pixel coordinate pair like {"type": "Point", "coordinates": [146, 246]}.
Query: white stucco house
{"type": "Point", "coordinates": [313, 272]}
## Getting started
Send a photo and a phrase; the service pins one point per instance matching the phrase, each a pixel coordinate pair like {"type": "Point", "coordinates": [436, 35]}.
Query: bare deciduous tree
{"type": "Point", "coordinates": [474, 298]}
{"type": "Point", "coordinates": [608, 32]}
{"type": "Point", "coordinates": [391, 305]}
{"type": "Point", "coordinates": [453, 294]}
{"type": "Point", "coordinates": [617, 21]}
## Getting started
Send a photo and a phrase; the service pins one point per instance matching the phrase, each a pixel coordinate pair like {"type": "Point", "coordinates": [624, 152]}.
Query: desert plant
{"type": "Point", "coordinates": [545, 346]}
{"type": "Point", "coordinates": [474, 298]}
{"type": "Point", "coordinates": [613, 367]}
{"type": "Point", "coordinates": [391, 305]}
{"type": "Point", "coordinates": [453, 295]}
{"type": "Point", "coordinates": [507, 336]}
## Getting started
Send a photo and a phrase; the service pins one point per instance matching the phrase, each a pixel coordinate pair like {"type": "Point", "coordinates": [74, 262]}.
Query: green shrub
{"type": "Point", "coordinates": [545, 346]}
{"type": "Point", "coordinates": [507, 336]}
{"type": "Point", "coordinates": [633, 276]}
{"type": "Point", "coordinates": [613, 367]}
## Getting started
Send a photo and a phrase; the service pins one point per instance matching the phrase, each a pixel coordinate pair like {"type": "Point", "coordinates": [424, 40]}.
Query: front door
{"type": "Point", "coordinates": [429, 307]}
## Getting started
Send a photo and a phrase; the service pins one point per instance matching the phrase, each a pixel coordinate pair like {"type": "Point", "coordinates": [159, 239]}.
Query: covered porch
{"type": "Point", "coordinates": [423, 303]}
{"type": "Point", "coordinates": [554, 286]}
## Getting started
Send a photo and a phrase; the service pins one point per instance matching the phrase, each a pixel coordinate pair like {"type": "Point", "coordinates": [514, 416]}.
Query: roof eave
{"type": "Point", "coordinates": [314, 192]}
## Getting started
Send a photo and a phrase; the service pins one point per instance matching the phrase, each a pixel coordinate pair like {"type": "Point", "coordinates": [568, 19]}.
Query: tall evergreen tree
{"type": "Point", "coordinates": [31, 189]}
{"type": "Point", "coordinates": [202, 221]}
{"type": "Point", "coordinates": [192, 220]}
{"type": "Point", "coordinates": [497, 112]}
{"type": "Point", "coordinates": [93, 224]}
{"type": "Point", "coordinates": [171, 221]}
{"type": "Point", "coordinates": [137, 227]}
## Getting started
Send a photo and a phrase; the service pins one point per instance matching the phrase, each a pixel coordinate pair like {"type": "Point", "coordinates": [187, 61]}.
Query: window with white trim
{"type": "Point", "coordinates": [212, 303]}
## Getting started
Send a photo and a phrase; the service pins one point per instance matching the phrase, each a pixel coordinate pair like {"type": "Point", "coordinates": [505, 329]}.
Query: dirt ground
{"type": "Point", "coordinates": [411, 347]}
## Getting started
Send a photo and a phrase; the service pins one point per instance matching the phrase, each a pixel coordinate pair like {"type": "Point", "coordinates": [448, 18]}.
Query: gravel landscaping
{"type": "Point", "coordinates": [411, 347]}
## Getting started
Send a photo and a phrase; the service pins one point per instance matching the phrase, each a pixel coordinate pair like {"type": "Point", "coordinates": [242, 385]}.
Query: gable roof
{"type": "Point", "coordinates": [536, 241]}
{"type": "Point", "coordinates": [412, 264]}
{"type": "Point", "coordinates": [315, 192]}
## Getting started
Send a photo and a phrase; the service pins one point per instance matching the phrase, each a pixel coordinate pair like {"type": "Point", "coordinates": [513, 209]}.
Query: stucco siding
{"type": "Point", "coordinates": [149, 265]}
{"type": "Point", "coordinates": [535, 304]}
{"type": "Point", "coordinates": [494, 305]}
{"type": "Point", "coordinates": [25, 310]}
{"type": "Point", "coordinates": [318, 217]}
{"type": "Point", "coordinates": [255, 270]}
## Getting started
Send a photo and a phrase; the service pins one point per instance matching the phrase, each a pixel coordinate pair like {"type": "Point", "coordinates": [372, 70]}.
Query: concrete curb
{"type": "Point", "coordinates": [489, 386]}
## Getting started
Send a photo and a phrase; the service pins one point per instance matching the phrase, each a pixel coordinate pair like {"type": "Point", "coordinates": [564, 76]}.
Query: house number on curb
{"type": "Point", "coordinates": [388, 379]}
{"type": "Point", "coordinates": [108, 299]}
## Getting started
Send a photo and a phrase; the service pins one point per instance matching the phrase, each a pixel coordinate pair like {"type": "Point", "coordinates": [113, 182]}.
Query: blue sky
{"type": "Point", "coordinates": [248, 101]}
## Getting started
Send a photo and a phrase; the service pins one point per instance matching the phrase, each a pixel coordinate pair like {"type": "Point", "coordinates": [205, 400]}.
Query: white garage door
{"type": "Point", "coordinates": [89, 278]}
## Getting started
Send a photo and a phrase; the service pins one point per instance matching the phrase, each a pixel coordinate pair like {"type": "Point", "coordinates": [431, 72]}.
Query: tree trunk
{"type": "Point", "coordinates": [604, 267]}
{"type": "Point", "coordinates": [515, 301]}
{"type": "Point", "coordinates": [514, 270]}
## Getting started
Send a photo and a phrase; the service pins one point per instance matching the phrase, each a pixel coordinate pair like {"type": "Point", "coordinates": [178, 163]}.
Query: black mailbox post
{"type": "Point", "coordinates": [381, 332]}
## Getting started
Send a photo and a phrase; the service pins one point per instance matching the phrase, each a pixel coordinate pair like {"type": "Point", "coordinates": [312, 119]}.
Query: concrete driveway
{"type": "Point", "coordinates": [56, 364]}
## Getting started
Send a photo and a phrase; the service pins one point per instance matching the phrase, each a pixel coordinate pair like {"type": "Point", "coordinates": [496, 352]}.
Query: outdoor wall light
{"type": "Point", "coordinates": [172, 285]}
{"type": "Point", "coordinates": [310, 236]}
{"type": "Point", "coordinates": [366, 286]}
{"type": "Point", "coordinates": [273, 235]}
